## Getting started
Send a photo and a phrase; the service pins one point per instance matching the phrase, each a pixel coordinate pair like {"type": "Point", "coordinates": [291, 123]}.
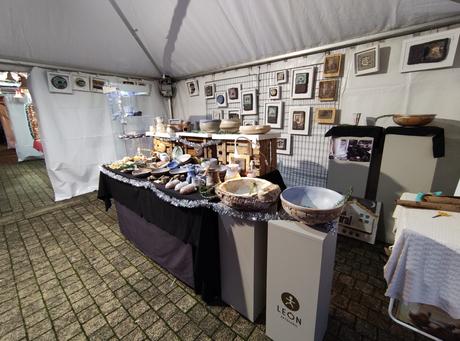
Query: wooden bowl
{"type": "Point", "coordinates": [255, 130]}
{"type": "Point", "coordinates": [248, 194]}
{"type": "Point", "coordinates": [312, 205]}
{"type": "Point", "coordinates": [412, 120]}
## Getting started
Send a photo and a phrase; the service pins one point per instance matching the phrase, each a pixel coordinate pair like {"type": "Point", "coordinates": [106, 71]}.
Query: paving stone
{"type": "Point", "coordinates": [209, 324]}
{"type": "Point", "coordinates": [125, 327]}
{"type": "Point", "coordinates": [228, 315]}
{"type": "Point", "coordinates": [177, 321]}
{"type": "Point", "coordinates": [147, 319]}
{"type": "Point", "coordinates": [138, 309]}
{"type": "Point", "coordinates": [224, 333]}
{"type": "Point", "coordinates": [94, 324]}
{"type": "Point", "coordinates": [189, 332]}
{"type": "Point", "coordinates": [186, 303]}
{"type": "Point", "coordinates": [197, 313]}
{"type": "Point", "coordinates": [243, 327]}
{"type": "Point", "coordinates": [157, 330]}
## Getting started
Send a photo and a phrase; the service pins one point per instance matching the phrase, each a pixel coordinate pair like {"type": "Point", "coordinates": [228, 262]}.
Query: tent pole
{"type": "Point", "coordinates": [347, 43]}
{"type": "Point", "coordinates": [31, 63]}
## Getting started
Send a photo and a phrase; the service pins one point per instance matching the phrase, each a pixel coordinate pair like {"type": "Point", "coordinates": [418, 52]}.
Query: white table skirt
{"type": "Point", "coordinates": [424, 266]}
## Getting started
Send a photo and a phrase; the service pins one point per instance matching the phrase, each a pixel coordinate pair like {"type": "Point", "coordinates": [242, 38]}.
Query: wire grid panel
{"type": "Point", "coordinates": [308, 162]}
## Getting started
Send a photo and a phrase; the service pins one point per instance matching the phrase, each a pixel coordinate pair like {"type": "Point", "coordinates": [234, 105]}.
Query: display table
{"type": "Point", "coordinates": [425, 260]}
{"type": "Point", "coordinates": [184, 240]}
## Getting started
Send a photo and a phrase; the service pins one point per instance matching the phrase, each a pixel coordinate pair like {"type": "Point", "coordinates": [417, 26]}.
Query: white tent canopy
{"type": "Point", "coordinates": [184, 37]}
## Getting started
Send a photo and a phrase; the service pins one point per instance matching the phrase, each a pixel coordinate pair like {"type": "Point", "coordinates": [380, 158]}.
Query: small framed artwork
{"type": "Point", "coordinates": [175, 121]}
{"type": "Point", "coordinates": [299, 120]}
{"type": "Point", "coordinates": [249, 122]}
{"type": "Point", "coordinates": [233, 115]}
{"type": "Point", "coordinates": [328, 90]}
{"type": "Point", "coordinates": [97, 84]}
{"type": "Point", "coordinates": [249, 102]}
{"type": "Point", "coordinates": [209, 90]}
{"type": "Point", "coordinates": [367, 61]}
{"type": "Point", "coordinates": [59, 82]}
{"type": "Point", "coordinates": [221, 99]}
{"type": "Point", "coordinates": [274, 114]}
{"type": "Point", "coordinates": [333, 65]}
{"type": "Point", "coordinates": [80, 83]}
{"type": "Point", "coordinates": [217, 114]}
{"type": "Point", "coordinates": [192, 87]}
{"type": "Point", "coordinates": [274, 92]}
{"type": "Point", "coordinates": [242, 161]}
{"type": "Point", "coordinates": [234, 93]}
{"type": "Point", "coordinates": [281, 76]}
{"type": "Point", "coordinates": [325, 115]}
{"type": "Point", "coordinates": [431, 51]}
{"type": "Point", "coordinates": [303, 83]}
{"type": "Point", "coordinates": [283, 144]}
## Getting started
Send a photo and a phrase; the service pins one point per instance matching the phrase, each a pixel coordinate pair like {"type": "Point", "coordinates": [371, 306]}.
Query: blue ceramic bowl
{"type": "Point", "coordinates": [173, 164]}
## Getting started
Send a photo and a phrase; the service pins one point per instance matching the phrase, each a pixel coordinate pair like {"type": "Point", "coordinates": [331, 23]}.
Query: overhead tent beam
{"type": "Point", "coordinates": [347, 43]}
{"type": "Point", "coordinates": [133, 32]}
{"type": "Point", "coordinates": [31, 63]}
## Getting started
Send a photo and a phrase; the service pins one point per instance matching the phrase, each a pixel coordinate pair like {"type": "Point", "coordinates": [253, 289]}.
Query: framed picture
{"type": "Point", "coordinates": [249, 102]}
{"type": "Point", "coordinates": [192, 87]}
{"type": "Point", "coordinates": [274, 92]}
{"type": "Point", "coordinates": [367, 61]}
{"type": "Point", "coordinates": [221, 99]}
{"type": "Point", "coordinates": [242, 160]}
{"type": "Point", "coordinates": [217, 114]}
{"type": "Point", "coordinates": [299, 120]}
{"type": "Point", "coordinates": [249, 122]}
{"type": "Point", "coordinates": [59, 82]}
{"type": "Point", "coordinates": [274, 114]}
{"type": "Point", "coordinates": [97, 84]}
{"type": "Point", "coordinates": [283, 144]}
{"type": "Point", "coordinates": [431, 51]}
{"type": "Point", "coordinates": [233, 115]}
{"type": "Point", "coordinates": [175, 121]}
{"type": "Point", "coordinates": [325, 115]}
{"type": "Point", "coordinates": [234, 93]}
{"type": "Point", "coordinates": [80, 83]}
{"type": "Point", "coordinates": [209, 90]}
{"type": "Point", "coordinates": [328, 90]}
{"type": "Point", "coordinates": [303, 83]}
{"type": "Point", "coordinates": [333, 65]}
{"type": "Point", "coordinates": [281, 77]}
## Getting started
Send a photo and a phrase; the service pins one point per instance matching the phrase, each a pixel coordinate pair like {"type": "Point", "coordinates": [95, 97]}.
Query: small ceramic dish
{"type": "Point", "coordinates": [173, 164]}
{"type": "Point", "coordinates": [141, 172]}
{"type": "Point", "coordinates": [182, 159]}
{"type": "Point", "coordinates": [160, 171]}
{"type": "Point", "coordinates": [178, 170]}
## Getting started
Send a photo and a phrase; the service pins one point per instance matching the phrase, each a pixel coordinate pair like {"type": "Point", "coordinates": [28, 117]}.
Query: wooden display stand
{"type": "Point", "coordinates": [208, 152]}
{"type": "Point", "coordinates": [259, 148]}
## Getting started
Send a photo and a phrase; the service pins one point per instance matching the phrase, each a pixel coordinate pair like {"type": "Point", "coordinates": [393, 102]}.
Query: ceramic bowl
{"type": "Point", "coordinates": [412, 120]}
{"type": "Point", "coordinates": [182, 159]}
{"type": "Point", "coordinates": [178, 170]}
{"type": "Point", "coordinates": [255, 130]}
{"type": "Point", "coordinates": [141, 172]}
{"type": "Point", "coordinates": [248, 194]}
{"type": "Point", "coordinates": [230, 126]}
{"type": "Point", "coordinates": [312, 205]}
{"type": "Point", "coordinates": [160, 171]}
{"type": "Point", "coordinates": [210, 126]}
{"type": "Point", "coordinates": [173, 164]}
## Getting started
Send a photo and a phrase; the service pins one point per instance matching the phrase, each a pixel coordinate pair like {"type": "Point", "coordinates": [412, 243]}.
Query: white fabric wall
{"type": "Point", "coordinates": [76, 133]}
{"type": "Point", "coordinates": [388, 92]}
{"type": "Point", "coordinates": [24, 141]}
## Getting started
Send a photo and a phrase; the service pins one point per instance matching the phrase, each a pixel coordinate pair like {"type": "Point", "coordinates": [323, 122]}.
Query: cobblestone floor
{"type": "Point", "coordinates": [66, 272]}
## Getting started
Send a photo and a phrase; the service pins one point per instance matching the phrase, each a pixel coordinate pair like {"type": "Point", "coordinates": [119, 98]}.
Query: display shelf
{"type": "Point", "coordinates": [252, 138]}
{"type": "Point", "coordinates": [191, 134]}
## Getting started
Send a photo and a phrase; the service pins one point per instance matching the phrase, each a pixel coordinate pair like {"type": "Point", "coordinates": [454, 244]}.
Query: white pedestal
{"type": "Point", "coordinates": [300, 266]}
{"type": "Point", "coordinates": [243, 263]}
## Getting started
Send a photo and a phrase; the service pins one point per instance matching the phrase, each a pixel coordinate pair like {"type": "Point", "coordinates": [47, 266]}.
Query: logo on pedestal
{"type": "Point", "coordinates": [292, 304]}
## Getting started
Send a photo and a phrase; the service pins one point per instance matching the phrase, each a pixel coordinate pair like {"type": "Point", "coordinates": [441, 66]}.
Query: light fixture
{"type": "Point", "coordinates": [9, 77]}
{"type": "Point", "coordinates": [18, 94]}
{"type": "Point", "coordinates": [23, 81]}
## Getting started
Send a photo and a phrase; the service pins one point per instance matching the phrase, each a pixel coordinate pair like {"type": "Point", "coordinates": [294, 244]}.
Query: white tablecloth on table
{"type": "Point", "coordinates": [424, 266]}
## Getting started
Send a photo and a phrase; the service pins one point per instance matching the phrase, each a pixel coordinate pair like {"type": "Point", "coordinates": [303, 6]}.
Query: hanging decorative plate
{"type": "Point", "coordinates": [80, 83]}
{"type": "Point", "coordinates": [59, 82]}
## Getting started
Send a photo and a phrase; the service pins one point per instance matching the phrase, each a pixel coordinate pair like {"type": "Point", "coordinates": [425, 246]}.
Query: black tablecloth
{"type": "Point", "coordinates": [195, 226]}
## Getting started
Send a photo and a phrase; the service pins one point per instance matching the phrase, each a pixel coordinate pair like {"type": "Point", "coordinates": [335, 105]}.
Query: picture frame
{"type": "Point", "coordinates": [234, 93]}
{"type": "Point", "coordinates": [333, 65]}
{"type": "Point", "coordinates": [299, 120]}
{"type": "Point", "coordinates": [281, 76]}
{"type": "Point", "coordinates": [274, 114]}
{"type": "Point", "coordinates": [326, 115]}
{"type": "Point", "coordinates": [97, 84]}
{"type": "Point", "coordinates": [303, 81]}
{"type": "Point", "coordinates": [209, 90]}
{"type": "Point", "coordinates": [217, 114]}
{"type": "Point", "coordinates": [175, 121]}
{"type": "Point", "coordinates": [367, 60]}
{"type": "Point", "coordinates": [249, 102]}
{"type": "Point", "coordinates": [80, 82]}
{"type": "Point", "coordinates": [233, 114]}
{"type": "Point", "coordinates": [274, 92]}
{"type": "Point", "coordinates": [283, 144]}
{"type": "Point", "coordinates": [59, 82]}
{"type": "Point", "coordinates": [432, 51]}
{"type": "Point", "coordinates": [249, 122]}
{"type": "Point", "coordinates": [328, 90]}
{"type": "Point", "coordinates": [242, 160]}
{"type": "Point", "coordinates": [221, 99]}
{"type": "Point", "coordinates": [192, 88]}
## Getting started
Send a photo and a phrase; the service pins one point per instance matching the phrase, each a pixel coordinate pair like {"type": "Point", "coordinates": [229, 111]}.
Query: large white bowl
{"type": "Point", "coordinates": [312, 205]}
